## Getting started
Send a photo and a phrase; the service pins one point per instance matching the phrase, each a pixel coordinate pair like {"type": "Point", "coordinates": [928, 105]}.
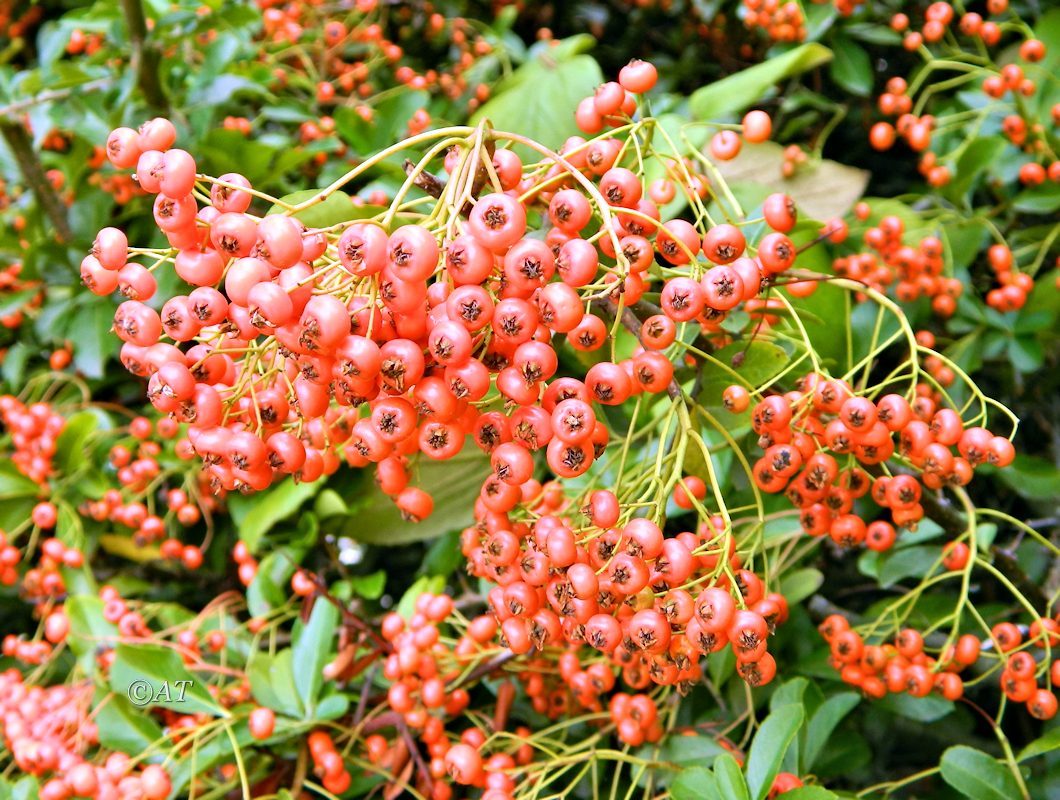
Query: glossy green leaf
{"type": "Point", "coordinates": [370, 587]}
{"type": "Point", "coordinates": [810, 793]}
{"type": "Point", "coordinates": [921, 709]}
{"type": "Point", "coordinates": [823, 722]}
{"type": "Point", "coordinates": [256, 515]}
{"type": "Point", "coordinates": [1047, 743]}
{"type": "Point", "coordinates": [90, 328]}
{"type": "Point", "coordinates": [741, 364]}
{"type": "Point", "coordinates": [911, 562]}
{"type": "Point", "coordinates": [730, 780]}
{"type": "Point", "coordinates": [977, 775]}
{"type": "Point", "coordinates": [13, 484]}
{"type": "Point", "coordinates": [312, 648]}
{"type": "Point", "coordinates": [770, 744]}
{"type": "Point", "coordinates": [89, 630]}
{"type": "Point", "coordinates": [695, 783]}
{"type": "Point", "coordinates": [1032, 477]}
{"type": "Point", "coordinates": [25, 788]}
{"type": "Point", "coordinates": [152, 675]}
{"type": "Point", "coordinates": [799, 584]}
{"type": "Point", "coordinates": [123, 726]}
{"type": "Point", "coordinates": [742, 90]}
{"type": "Point", "coordinates": [1042, 199]}
{"type": "Point", "coordinates": [272, 682]}
{"type": "Point", "coordinates": [70, 447]}
{"type": "Point", "coordinates": [851, 67]}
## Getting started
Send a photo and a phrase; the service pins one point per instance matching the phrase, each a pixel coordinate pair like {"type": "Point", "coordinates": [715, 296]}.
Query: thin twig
{"type": "Point", "coordinates": [14, 110]}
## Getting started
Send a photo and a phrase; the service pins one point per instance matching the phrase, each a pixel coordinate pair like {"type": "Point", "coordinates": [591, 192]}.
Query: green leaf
{"type": "Point", "coordinates": [313, 644]}
{"type": "Point", "coordinates": [88, 629]}
{"type": "Point", "coordinates": [1031, 476]}
{"type": "Point", "coordinates": [1025, 353]}
{"type": "Point", "coordinates": [769, 746]}
{"type": "Point", "coordinates": [255, 516]}
{"type": "Point", "coordinates": [89, 330]}
{"type": "Point", "coordinates": [13, 301]}
{"type": "Point", "coordinates": [851, 68]}
{"type": "Point", "coordinates": [539, 99]}
{"type": "Point", "coordinates": [1041, 199]}
{"type": "Point", "coordinates": [801, 583]}
{"type": "Point", "coordinates": [338, 207]}
{"type": "Point", "coordinates": [370, 587]}
{"type": "Point", "coordinates": [123, 726]}
{"type": "Point", "coordinates": [13, 484]}
{"type": "Point", "coordinates": [70, 450]}
{"type": "Point", "coordinates": [754, 364]}
{"type": "Point", "coordinates": [810, 793]}
{"type": "Point", "coordinates": [742, 90]}
{"type": "Point", "coordinates": [25, 788]}
{"type": "Point", "coordinates": [921, 709]}
{"type": "Point", "coordinates": [910, 562]}
{"type": "Point", "coordinates": [332, 706]}
{"type": "Point", "coordinates": [824, 720]}
{"type": "Point", "coordinates": [731, 783]}
{"type": "Point", "coordinates": [272, 682]}
{"type": "Point", "coordinates": [14, 364]}
{"type": "Point", "coordinates": [267, 590]}
{"type": "Point", "coordinates": [152, 675]}
{"type": "Point", "coordinates": [976, 159]}
{"type": "Point", "coordinates": [1049, 743]}
{"type": "Point", "coordinates": [790, 693]}
{"type": "Point", "coordinates": [426, 583]}
{"type": "Point", "coordinates": [687, 750]}
{"type": "Point", "coordinates": [454, 484]}
{"type": "Point", "coordinates": [695, 783]}
{"type": "Point", "coordinates": [329, 503]}
{"type": "Point", "coordinates": [976, 775]}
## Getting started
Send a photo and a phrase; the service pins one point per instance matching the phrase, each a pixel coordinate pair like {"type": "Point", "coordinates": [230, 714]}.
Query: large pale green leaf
{"type": "Point", "coordinates": [742, 90]}
{"type": "Point", "coordinates": [13, 484]}
{"type": "Point", "coordinates": [821, 190]}
{"type": "Point", "coordinates": [89, 330]}
{"type": "Point", "coordinates": [539, 99]}
{"type": "Point", "coordinates": [1049, 743]}
{"type": "Point", "coordinates": [454, 484]}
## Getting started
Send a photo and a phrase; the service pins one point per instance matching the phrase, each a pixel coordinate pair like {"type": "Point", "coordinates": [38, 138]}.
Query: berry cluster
{"type": "Point", "coordinates": [803, 432]}
{"type": "Point", "coordinates": [906, 666]}
{"type": "Point", "coordinates": [51, 730]}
